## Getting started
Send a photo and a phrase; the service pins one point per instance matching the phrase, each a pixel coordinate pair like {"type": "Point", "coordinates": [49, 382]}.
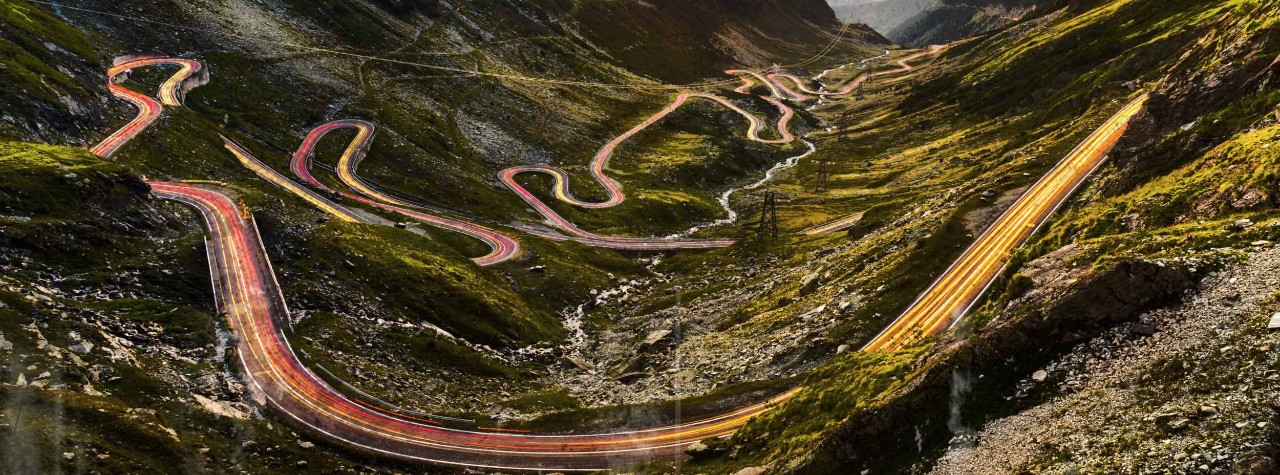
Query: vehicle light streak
{"type": "Point", "coordinates": [250, 297]}
{"type": "Point", "coordinates": [502, 247]}
{"type": "Point", "coordinates": [956, 290]}
{"type": "Point", "coordinates": [262, 170]}
{"type": "Point", "coordinates": [189, 75]}
{"type": "Point", "coordinates": [904, 65]}
{"type": "Point", "coordinates": [834, 225]}
{"type": "Point", "coordinates": [614, 191]}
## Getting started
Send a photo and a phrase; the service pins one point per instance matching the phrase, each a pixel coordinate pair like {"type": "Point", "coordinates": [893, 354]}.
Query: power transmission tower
{"type": "Point", "coordinates": [824, 175]}
{"type": "Point", "coordinates": [768, 215]}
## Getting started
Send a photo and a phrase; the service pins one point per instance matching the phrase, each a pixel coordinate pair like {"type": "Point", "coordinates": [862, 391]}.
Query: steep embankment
{"type": "Point", "coordinates": [1188, 191]}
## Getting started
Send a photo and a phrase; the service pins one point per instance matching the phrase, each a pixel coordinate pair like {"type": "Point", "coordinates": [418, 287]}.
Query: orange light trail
{"type": "Point", "coordinates": [953, 293]}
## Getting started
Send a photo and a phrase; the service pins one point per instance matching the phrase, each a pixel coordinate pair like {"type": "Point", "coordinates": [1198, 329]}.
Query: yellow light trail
{"type": "Point", "coordinates": [953, 293]}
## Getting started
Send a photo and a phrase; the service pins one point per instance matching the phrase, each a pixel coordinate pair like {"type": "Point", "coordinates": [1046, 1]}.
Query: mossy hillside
{"type": "Point", "coordinates": [33, 44]}
{"type": "Point", "coordinates": [1166, 226]}
{"type": "Point", "coordinates": [408, 274]}
{"type": "Point", "coordinates": [685, 42]}
{"type": "Point", "coordinates": [65, 209]}
{"type": "Point", "coordinates": [800, 423]}
{"type": "Point", "coordinates": [129, 424]}
{"type": "Point", "coordinates": [1064, 57]}
{"type": "Point", "coordinates": [1190, 207]}
{"type": "Point", "coordinates": [53, 181]}
{"type": "Point", "coordinates": [127, 418]}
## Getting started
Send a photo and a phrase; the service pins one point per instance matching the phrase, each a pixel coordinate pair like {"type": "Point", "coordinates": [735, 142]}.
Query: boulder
{"type": "Point", "coordinates": [810, 284]}
{"type": "Point", "coordinates": [82, 347]}
{"type": "Point", "coordinates": [580, 362]}
{"type": "Point", "coordinates": [705, 449]}
{"type": "Point", "coordinates": [656, 340]}
{"type": "Point", "coordinates": [1142, 329]}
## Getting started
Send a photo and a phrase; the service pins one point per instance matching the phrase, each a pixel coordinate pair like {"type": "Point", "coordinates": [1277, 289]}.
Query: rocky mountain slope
{"type": "Point", "coordinates": [118, 362]}
{"type": "Point", "coordinates": [1069, 364]}
{"type": "Point", "coordinates": [949, 20]}
{"type": "Point", "coordinates": [880, 15]}
{"type": "Point", "coordinates": [458, 90]}
{"type": "Point", "coordinates": [918, 23]}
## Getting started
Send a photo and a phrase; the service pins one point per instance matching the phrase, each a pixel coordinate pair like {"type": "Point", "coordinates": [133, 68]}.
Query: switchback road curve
{"type": "Point", "coordinates": [246, 290]}
{"type": "Point", "coordinates": [952, 295]}
{"type": "Point", "coordinates": [501, 247]}
{"type": "Point", "coordinates": [614, 191]}
{"type": "Point", "coordinates": [904, 65]}
{"type": "Point", "coordinates": [315, 199]}
{"type": "Point", "coordinates": [190, 74]}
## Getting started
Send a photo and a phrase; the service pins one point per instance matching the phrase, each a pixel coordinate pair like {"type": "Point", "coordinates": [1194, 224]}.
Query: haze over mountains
{"type": "Point", "coordinates": [922, 22]}
{"type": "Point", "coordinates": [881, 15]}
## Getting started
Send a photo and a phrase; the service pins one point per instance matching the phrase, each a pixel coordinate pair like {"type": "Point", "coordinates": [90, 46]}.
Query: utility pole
{"type": "Point", "coordinates": [768, 215]}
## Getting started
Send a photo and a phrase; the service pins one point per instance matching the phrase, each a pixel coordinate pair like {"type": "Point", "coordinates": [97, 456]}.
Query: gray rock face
{"type": "Point", "coordinates": [1173, 397]}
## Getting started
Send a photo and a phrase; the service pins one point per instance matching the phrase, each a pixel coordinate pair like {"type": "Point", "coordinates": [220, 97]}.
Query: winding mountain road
{"type": "Point", "coordinates": [802, 88]}
{"type": "Point", "coordinates": [190, 74]}
{"type": "Point", "coordinates": [501, 247]}
{"type": "Point", "coordinates": [613, 190]}
{"type": "Point", "coordinates": [246, 290]}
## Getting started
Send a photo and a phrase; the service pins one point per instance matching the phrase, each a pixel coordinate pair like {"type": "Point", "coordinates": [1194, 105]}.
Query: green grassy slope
{"type": "Point", "coordinates": [1003, 110]}
{"type": "Point", "coordinates": [108, 332]}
